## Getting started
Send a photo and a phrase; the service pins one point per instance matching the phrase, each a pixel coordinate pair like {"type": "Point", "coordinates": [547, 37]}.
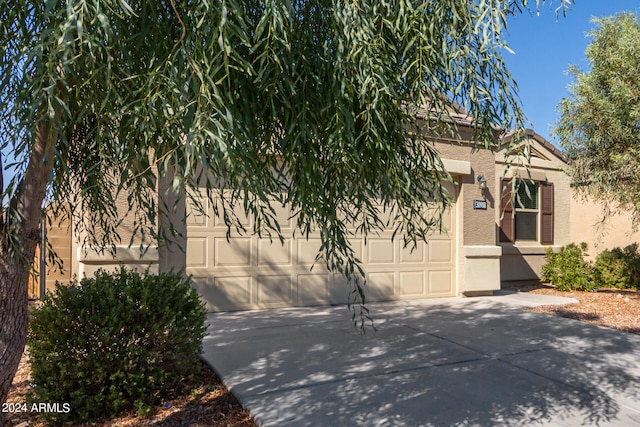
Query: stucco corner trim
{"type": "Point", "coordinates": [457, 167]}
{"type": "Point", "coordinates": [123, 254]}
{"type": "Point", "coordinates": [483, 251]}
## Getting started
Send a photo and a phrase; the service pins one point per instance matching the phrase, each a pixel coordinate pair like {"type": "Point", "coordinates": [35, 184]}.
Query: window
{"type": "Point", "coordinates": [526, 211]}
{"type": "Point", "coordinates": [527, 214]}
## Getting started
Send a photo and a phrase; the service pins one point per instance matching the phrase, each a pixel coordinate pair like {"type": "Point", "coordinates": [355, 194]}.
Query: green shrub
{"type": "Point", "coordinates": [618, 268]}
{"type": "Point", "coordinates": [567, 270]}
{"type": "Point", "coordinates": [114, 343]}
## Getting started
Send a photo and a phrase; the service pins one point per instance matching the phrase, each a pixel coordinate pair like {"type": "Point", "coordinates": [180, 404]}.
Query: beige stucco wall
{"type": "Point", "coordinates": [92, 260]}
{"type": "Point", "coordinates": [477, 254]}
{"type": "Point", "coordinates": [128, 253]}
{"type": "Point", "coordinates": [587, 226]}
{"type": "Point", "coordinates": [478, 225]}
{"type": "Point", "coordinates": [562, 206]}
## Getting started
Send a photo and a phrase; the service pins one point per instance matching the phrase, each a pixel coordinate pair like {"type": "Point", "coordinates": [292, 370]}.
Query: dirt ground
{"type": "Point", "coordinates": [208, 404]}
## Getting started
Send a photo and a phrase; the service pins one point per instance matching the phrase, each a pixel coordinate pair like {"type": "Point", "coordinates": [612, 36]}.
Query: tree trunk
{"type": "Point", "coordinates": [13, 323]}
{"type": "Point", "coordinates": [21, 236]}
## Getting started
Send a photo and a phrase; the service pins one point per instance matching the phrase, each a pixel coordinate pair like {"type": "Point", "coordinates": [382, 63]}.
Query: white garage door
{"type": "Point", "coordinates": [248, 272]}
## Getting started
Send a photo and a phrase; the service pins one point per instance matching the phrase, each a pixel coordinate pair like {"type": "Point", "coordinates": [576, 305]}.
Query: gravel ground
{"type": "Point", "coordinates": [211, 404]}
{"type": "Point", "coordinates": [612, 308]}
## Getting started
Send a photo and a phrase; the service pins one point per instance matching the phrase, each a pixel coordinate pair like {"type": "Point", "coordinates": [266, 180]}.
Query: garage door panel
{"type": "Point", "coordinates": [339, 289]}
{"type": "Point", "coordinates": [283, 216]}
{"type": "Point", "coordinates": [195, 218]}
{"type": "Point", "coordinates": [412, 283]}
{"type": "Point", "coordinates": [380, 286]}
{"type": "Point", "coordinates": [231, 291]}
{"type": "Point", "coordinates": [413, 256]}
{"type": "Point", "coordinates": [447, 222]}
{"type": "Point", "coordinates": [197, 252]}
{"type": "Point", "coordinates": [274, 253]}
{"type": "Point", "coordinates": [202, 286]}
{"type": "Point", "coordinates": [387, 218]}
{"type": "Point", "coordinates": [313, 289]}
{"type": "Point", "coordinates": [218, 221]}
{"type": "Point", "coordinates": [380, 251]}
{"type": "Point", "coordinates": [224, 293]}
{"type": "Point", "coordinates": [440, 251]}
{"type": "Point", "coordinates": [358, 247]}
{"type": "Point", "coordinates": [274, 291]}
{"type": "Point", "coordinates": [235, 252]}
{"type": "Point", "coordinates": [307, 251]}
{"type": "Point", "coordinates": [440, 282]}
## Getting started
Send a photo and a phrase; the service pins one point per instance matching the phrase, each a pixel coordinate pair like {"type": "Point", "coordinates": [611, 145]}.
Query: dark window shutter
{"type": "Point", "coordinates": [546, 213]}
{"type": "Point", "coordinates": [507, 220]}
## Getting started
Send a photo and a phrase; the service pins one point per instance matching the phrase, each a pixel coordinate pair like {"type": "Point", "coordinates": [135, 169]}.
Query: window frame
{"type": "Point", "coordinates": [536, 210]}
{"type": "Point", "coordinates": [544, 220]}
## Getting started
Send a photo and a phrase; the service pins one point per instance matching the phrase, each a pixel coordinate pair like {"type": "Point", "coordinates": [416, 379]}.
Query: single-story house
{"type": "Point", "coordinates": [487, 239]}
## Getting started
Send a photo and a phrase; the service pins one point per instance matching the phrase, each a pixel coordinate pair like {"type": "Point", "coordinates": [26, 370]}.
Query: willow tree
{"type": "Point", "coordinates": [310, 103]}
{"type": "Point", "coordinates": [599, 124]}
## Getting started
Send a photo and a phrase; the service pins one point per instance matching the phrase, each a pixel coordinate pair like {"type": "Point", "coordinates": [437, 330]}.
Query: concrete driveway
{"type": "Point", "coordinates": [445, 362]}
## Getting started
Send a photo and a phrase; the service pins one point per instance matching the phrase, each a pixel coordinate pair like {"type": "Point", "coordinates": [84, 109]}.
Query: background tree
{"type": "Point", "coordinates": [599, 124]}
{"type": "Point", "coordinates": [305, 102]}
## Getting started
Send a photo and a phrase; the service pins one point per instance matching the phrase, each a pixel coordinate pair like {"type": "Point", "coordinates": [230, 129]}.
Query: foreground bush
{"type": "Point", "coordinates": [618, 268]}
{"type": "Point", "coordinates": [114, 343]}
{"type": "Point", "coordinates": [567, 270]}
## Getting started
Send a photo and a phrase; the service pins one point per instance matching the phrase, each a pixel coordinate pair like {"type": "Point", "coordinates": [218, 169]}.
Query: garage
{"type": "Point", "coordinates": [247, 272]}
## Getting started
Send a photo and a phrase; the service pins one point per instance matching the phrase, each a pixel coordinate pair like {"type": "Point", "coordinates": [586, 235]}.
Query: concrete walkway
{"type": "Point", "coordinates": [446, 362]}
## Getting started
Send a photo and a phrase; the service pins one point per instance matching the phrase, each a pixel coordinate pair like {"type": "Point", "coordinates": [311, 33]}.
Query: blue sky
{"type": "Point", "coordinates": [545, 46]}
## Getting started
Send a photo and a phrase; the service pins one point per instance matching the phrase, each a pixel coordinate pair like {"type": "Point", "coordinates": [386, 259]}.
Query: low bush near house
{"type": "Point", "coordinates": [114, 343]}
{"type": "Point", "coordinates": [567, 270]}
{"type": "Point", "coordinates": [618, 268]}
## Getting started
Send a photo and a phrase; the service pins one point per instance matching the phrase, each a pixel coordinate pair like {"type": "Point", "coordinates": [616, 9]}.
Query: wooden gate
{"type": "Point", "coordinates": [58, 233]}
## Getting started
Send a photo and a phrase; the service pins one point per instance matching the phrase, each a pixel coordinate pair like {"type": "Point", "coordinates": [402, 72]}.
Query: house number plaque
{"type": "Point", "coordinates": [480, 204]}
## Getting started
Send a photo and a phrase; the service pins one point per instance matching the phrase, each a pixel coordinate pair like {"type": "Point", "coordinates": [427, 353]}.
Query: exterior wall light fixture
{"type": "Point", "coordinates": [482, 182]}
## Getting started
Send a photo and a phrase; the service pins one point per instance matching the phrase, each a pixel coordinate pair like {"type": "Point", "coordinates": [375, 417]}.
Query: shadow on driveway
{"type": "Point", "coordinates": [458, 361]}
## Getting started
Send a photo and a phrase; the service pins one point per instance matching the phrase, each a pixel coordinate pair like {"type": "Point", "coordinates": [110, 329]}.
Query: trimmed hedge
{"type": "Point", "coordinates": [113, 343]}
